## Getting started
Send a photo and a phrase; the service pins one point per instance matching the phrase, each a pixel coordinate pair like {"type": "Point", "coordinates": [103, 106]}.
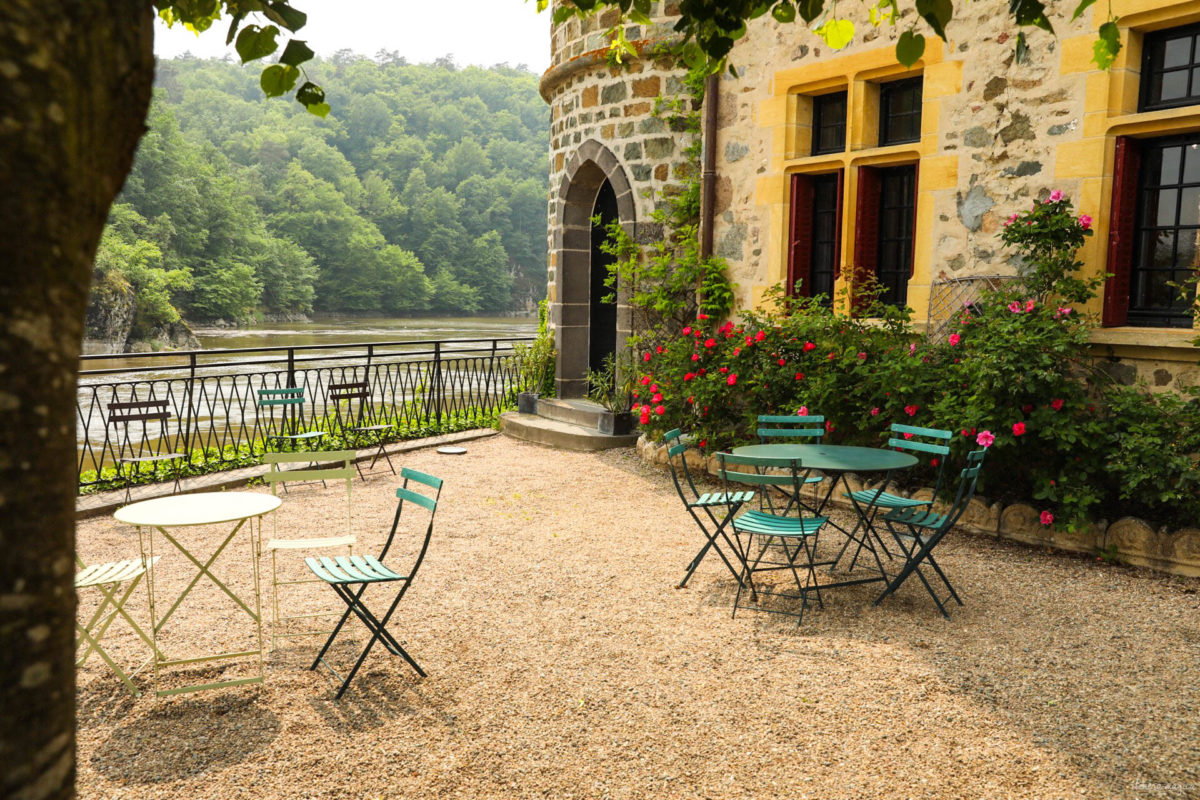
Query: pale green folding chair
{"type": "Point", "coordinates": [276, 477]}
{"type": "Point", "coordinates": [107, 578]}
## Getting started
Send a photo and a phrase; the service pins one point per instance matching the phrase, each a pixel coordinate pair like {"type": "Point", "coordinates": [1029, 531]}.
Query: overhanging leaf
{"type": "Point", "coordinates": [310, 94]}
{"type": "Point", "coordinates": [278, 79]}
{"type": "Point", "coordinates": [1030, 12]}
{"type": "Point", "coordinates": [255, 42]}
{"type": "Point", "coordinates": [784, 13]}
{"type": "Point", "coordinates": [810, 9]}
{"type": "Point", "coordinates": [837, 33]}
{"type": "Point", "coordinates": [296, 53]}
{"type": "Point", "coordinates": [910, 48]}
{"type": "Point", "coordinates": [320, 109]}
{"type": "Point", "coordinates": [1105, 50]}
{"type": "Point", "coordinates": [285, 15]}
{"type": "Point", "coordinates": [937, 13]}
{"type": "Point", "coordinates": [1079, 9]}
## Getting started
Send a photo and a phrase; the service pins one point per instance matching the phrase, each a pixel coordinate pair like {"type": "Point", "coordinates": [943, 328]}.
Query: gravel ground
{"type": "Point", "coordinates": [563, 664]}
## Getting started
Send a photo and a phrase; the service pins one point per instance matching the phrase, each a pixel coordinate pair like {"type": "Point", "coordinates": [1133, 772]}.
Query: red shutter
{"type": "Point", "coordinates": [912, 259]}
{"type": "Point", "coordinates": [866, 230]}
{"type": "Point", "coordinates": [800, 236]}
{"type": "Point", "coordinates": [837, 230]}
{"type": "Point", "coordinates": [1121, 225]}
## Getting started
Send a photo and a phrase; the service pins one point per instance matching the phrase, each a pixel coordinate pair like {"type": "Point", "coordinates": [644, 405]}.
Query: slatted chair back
{"type": "Point", "coordinates": [126, 414]}
{"type": "Point", "coordinates": [968, 479]}
{"type": "Point", "coordinates": [277, 476]}
{"type": "Point", "coordinates": [809, 429]}
{"type": "Point", "coordinates": [675, 450]}
{"type": "Point", "coordinates": [409, 495]}
{"type": "Point", "coordinates": [933, 441]}
{"type": "Point", "coordinates": [785, 473]}
{"type": "Point", "coordinates": [348, 393]}
{"type": "Point", "coordinates": [288, 398]}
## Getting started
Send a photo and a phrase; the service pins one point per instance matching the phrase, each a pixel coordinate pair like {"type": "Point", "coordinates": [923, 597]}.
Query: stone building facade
{"type": "Point", "coordinates": [834, 162]}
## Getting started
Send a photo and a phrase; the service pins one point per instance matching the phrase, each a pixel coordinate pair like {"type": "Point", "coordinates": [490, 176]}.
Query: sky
{"type": "Point", "coordinates": [482, 32]}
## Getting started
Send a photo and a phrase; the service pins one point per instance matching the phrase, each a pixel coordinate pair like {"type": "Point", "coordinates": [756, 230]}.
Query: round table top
{"type": "Point", "coordinates": [833, 457]}
{"type": "Point", "coordinates": [204, 508]}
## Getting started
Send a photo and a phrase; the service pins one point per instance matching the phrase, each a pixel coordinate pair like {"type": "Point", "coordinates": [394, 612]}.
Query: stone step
{"type": "Point", "coordinates": [562, 435]}
{"type": "Point", "coordinates": [584, 413]}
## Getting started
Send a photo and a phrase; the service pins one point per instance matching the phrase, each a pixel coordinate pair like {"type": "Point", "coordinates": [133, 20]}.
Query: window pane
{"type": "Point", "coordinates": [1171, 70]}
{"type": "Point", "coordinates": [1191, 163]}
{"type": "Point", "coordinates": [1189, 207]}
{"type": "Point", "coordinates": [1185, 254]}
{"type": "Point", "coordinates": [1173, 85]}
{"type": "Point", "coordinates": [1166, 200]}
{"type": "Point", "coordinates": [1177, 52]}
{"type": "Point", "coordinates": [1169, 173]}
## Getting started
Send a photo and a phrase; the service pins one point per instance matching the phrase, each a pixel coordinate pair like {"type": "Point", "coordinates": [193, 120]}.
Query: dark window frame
{"type": "Point", "coordinates": [819, 123]}
{"type": "Point", "coordinates": [888, 118]}
{"type": "Point", "coordinates": [1150, 48]}
{"type": "Point", "coordinates": [894, 264]}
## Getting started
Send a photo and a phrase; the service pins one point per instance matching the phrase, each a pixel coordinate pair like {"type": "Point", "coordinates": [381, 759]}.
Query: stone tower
{"type": "Point", "coordinates": [611, 156]}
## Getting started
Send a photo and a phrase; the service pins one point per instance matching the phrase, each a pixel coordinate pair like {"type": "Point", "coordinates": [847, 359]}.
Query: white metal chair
{"type": "Point", "coordinates": [107, 578]}
{"type": "Point", "coordinates": [277, 476]}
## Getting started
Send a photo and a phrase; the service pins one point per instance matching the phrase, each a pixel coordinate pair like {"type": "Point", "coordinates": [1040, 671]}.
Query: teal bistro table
{"type": "Point", "coordinates": [836, 461]}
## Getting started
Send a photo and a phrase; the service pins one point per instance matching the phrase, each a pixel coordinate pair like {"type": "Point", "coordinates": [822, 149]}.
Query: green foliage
{"type": "Point", "coordinates": [710, 29]}
{"type": "Point", "coordinates": [537, 359]}
{"type": "Point", "coordinates": [1015, 365]}
{"type": "Point", "coordinates": [611, 386]}
{"type": "Point", "coordinates": [424, 191]}
{"type": "Point", "coordinates": [1046, 239]}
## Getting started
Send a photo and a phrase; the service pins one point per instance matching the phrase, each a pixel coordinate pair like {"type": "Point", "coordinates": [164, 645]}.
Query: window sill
{"type": "Point", "coordinates": [1167, 343]}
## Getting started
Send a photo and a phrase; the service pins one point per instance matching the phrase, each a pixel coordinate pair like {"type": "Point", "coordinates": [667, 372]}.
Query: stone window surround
{"type": "Point", "coordinates": [570, 313]}
{"type": "Point", "coordinates": [1111, 110]}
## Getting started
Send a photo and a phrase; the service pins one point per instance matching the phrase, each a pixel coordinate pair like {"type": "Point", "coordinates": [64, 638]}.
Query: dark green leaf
{"type": "Point", "coordinates": [937, 13]}
{"type": "Point", "coordinates": [255, 42]}
{"type": "Point", "coordinates": [642, 6]}
{"type": "Point", "coordinates": [1107, 45]}
{"type": "Point", "coordinates": [910, 48]}
{"type": "Point", "coordinates": [234, 23]}
{"type": "Point", "coordinates": [282, 13]}
{"type": "Point", "coordinates": [562, 14]}
{"type": "Point", "coordinates": [1022, 48]}
{"type": "Point", "coordinates": [784, 13]}
{"type": "Point", "coordinates": [810, 9]}
{"type": "Point", "coordinates": [310, 94]}
{"type": "Point", "coordinates": [1030, 12]}
{"type": "Point", "coordinates": [278, 79]}
{"type": "Point", "coordinates": [1079, 9]}
{"type": "Point", "coordinates": [296, 53]}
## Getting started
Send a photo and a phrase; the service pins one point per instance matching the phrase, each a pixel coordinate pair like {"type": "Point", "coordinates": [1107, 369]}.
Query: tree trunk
{"type": "Point", "coordinates": [76, 82]}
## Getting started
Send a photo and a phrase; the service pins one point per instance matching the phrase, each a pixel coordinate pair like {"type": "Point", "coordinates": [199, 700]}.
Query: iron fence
{"type": "Point", "coordinates": [213, 402]}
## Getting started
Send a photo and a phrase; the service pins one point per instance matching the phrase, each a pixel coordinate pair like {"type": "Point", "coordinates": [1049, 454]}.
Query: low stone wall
{"type": "Point", "coordinates": [1129, 539]}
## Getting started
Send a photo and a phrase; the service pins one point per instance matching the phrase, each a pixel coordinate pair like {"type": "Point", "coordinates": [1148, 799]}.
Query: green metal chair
{"type": "Point", "coordinates": [696, 502]}
{"type": "Point", "coordinates": [932, 441]}
{"type": "Point", "coordinates": [792, 539]}
{"type": "Point", "coordinates": [278, 476]}
{"type": "Point", "coordinates": [357, 427]}
{"type": "Point", "coordinates": [794, 429]}
{"type": "Point", "coordinates": [349, 576]}
{"type": "Point", "coordinates": [107, 579]}
{"type": "Point", "coordinates": [289, 399]}
{"type": "Point", "coordinates": [919, 530]}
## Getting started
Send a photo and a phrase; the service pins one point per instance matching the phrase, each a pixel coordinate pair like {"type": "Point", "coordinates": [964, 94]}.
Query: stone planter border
{"type": "Point", "coordinates": [1132, 540]}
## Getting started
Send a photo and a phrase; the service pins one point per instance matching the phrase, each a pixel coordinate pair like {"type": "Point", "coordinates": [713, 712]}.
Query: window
{"type": "Point", "coordinates": [1170, 69]}
{"type": "Point", "coordinates": [829, 123]}
{"type": "Point", "coordinates": [815, 234]}
{"type": "Point", "coordinates": [1166, 246]}
{"type": "Point", "coordinates": [900, 112]}
{"type": "Point", "coordinates": [884, 226]}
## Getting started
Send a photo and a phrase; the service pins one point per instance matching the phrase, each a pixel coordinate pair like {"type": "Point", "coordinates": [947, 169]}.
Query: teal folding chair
{"type": "Point", "coordinates": [697, 502]}
{"type": "Point", "coordinates": [919, 530]}
{"type": "Point", "coordinates": [793, 429]}
{"type": "Point", "coordinates": [770, 542]}
{"type": "Point", "coordinates": [349, 577]}
{"type": "Point", "coordinates": [290, 400]}
{"type": "Point", "coordinates": [107, 579]}
{"type": "Point", "coordinates": [928, 441]}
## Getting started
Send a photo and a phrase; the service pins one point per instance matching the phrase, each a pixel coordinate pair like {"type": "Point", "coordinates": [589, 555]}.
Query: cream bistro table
{"type": "Point", "coordinates": [190, 510]}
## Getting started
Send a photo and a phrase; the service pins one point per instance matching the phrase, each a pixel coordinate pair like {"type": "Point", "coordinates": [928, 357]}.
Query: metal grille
{"type": "Point", "coordinates": [212, 395]}
{"type": "Point", "coordinates": [950, 297]}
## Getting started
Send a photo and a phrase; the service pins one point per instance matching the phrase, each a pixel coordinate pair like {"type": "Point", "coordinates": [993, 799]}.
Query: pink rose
{"type": "Point", "coordinates": [955, 339]}
{"type": "Point", "coordinates": [737, 351]}
{"type": "Point", "coordinates": [1014, 307]}
{"type": "Point", "coordinates": [695, 356]}
{"type": "Point", "coordinates": [710, 343]}
{"type": "Point", "coordinates": [911, 410]}
{"type": "Point", "coordinates": [732, 379]}
{"type": "Point", "coordinates": [723, 370]}
{"type": "Point", "coordinates": [1018, 429]}
{"type": "Point", "coordinates": [1029, 305]}
{"type": "Point", "coordinates": [985, 439]}
{"type": "Point", "coordinates": [658, 349]}
{"type": "Point", "coordinates": [645, 418]}
{"type": "Point", "coordinates": [1055, 196]}
{"type": "Point", "coordinates": [645, 380]}
{"type": "Point", "coordinates": [657, 398]}
{"type": "Point", "coordinates": [659, 410]}
{"type": "Point", "coordinates": [875, 412]}
{"type": "Point", "coordinates": [687, 331]}
{"type": "Point", "coordinates": [912, 348]}
{"type": "Point", "coordinates": [802, 411]}
{"type": "Point", "coordinates": [1047, 518]}
{"type": "Point", "coordinates": [1085, 221]}
{"type": "Point", "coordinates": [758, 337]}
{"type": "Point", "coordinates": [862, 356]}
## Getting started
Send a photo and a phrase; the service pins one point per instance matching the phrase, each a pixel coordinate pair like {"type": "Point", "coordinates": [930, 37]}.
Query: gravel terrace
{"type": "Point", "coordinates": [563, 664]}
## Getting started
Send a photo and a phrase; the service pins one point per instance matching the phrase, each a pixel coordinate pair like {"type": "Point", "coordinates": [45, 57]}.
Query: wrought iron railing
{"type": "Point", "coordinates": [214, 406]}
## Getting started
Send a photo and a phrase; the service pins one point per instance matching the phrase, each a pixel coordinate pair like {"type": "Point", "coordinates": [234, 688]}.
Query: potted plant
{"type": "Point", "coordinates": [611, 387]}
{"type": "Point", "coordinates": [537, 366]}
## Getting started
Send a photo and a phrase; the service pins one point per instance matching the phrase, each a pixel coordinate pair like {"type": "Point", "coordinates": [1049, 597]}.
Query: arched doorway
{"type": "Point", "coordinates": [602, 319]}
{"type": "Point", "coordinates": [585, 328]}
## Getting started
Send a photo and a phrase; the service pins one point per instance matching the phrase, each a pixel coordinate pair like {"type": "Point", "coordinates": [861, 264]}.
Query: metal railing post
{"type": "Point", "coordinates": [437, 381]}
{"type": "Point", "coordinates": [191, 414]}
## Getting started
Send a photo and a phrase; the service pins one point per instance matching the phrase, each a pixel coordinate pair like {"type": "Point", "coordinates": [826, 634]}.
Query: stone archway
{"type": "Point", "coordinates": [593, 173]}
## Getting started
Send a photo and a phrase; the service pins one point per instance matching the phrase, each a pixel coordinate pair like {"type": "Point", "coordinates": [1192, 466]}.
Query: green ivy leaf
{"type": "Point", "coordinates": [837, 33]}
{"type": "Point", "coordinates": [278, 79]}
{"type": "Point", "coordinates": [1105, 50]}
{"type": "Point", "coordinates": [296, 53]}
{"type": "Point", "coordinates": [784, 13]}
{"type": "Point", "coordinates": [1084, 5]}
{"type": "Point", "coordinates": [320, 109]}
{"type": "Point", "coordinates": [254, 42]}
{"type": "Point", "coordinates": [910, 48]}
{"type": "Point", "coordinates": [310, 94]}
{"type": "Point", "coordinates": [810, 9]}
{"type": "Point", "coordinates": [282, 13]}
{"type": "Point", "coordinates": [1022, 49]}
{"type": "Point", "coordinates": [1030, 12]}
{"type": "Point", "coordinates": [562, 14]}
{"type": "Point", "coordinates": [937, 13]}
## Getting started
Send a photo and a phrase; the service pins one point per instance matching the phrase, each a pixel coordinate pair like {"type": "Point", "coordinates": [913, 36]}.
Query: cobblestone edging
{"type": "Point", "coordinates": [1131, 540]}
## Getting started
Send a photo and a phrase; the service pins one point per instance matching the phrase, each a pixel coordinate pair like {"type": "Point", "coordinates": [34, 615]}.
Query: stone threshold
{"type": "Point", "coordinates": [93, 505]}
{"type": "Point", "coordinates": [1131, 540]}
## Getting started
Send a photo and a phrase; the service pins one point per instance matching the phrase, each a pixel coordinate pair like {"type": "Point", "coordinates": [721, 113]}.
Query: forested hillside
{"type": "Point", "coordinates": [423, 191]}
